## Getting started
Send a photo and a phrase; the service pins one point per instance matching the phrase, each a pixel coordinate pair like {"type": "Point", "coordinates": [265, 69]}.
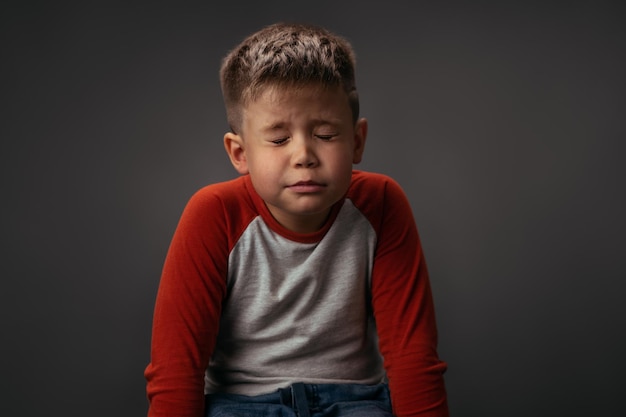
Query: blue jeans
{"type": "Point", "coordinates": [306, 400]}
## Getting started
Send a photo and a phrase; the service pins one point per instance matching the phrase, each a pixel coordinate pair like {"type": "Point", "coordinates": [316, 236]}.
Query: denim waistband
{"type": "Point", "coordinates": [300, 397]}
{"type": "Point", "coordinates": [306, 399]}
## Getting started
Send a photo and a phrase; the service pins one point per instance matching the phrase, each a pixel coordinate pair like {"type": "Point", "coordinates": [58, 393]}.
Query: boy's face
{"type": "Point", "coordinates": [298, 145]}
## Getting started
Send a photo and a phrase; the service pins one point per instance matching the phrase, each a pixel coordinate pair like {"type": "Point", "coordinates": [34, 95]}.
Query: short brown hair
{"type": "Point", "coordinates": [292, 54]}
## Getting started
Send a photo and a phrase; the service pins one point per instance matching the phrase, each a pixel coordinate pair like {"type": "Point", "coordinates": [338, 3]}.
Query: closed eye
{"type": "Point", "coordinates": [279, 141]}
{"type": "Point", "coordinates": [325, 137]}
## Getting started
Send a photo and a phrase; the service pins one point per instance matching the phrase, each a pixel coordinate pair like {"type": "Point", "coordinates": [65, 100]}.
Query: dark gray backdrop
{"type": "Point", "coordinates": [504, 122]}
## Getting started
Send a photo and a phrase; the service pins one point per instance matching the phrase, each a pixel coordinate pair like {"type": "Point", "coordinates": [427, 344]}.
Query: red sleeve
{"type": "Point", "coordinates": [404, 312]}
{"type": "Point", "coordinates": [188, 306]}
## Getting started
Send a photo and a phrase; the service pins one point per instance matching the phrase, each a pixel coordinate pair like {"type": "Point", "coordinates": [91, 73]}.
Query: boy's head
{"type": "Point", "coordinates": [287, 55]}
{"type": "Point", "coordinates": [293, 111]}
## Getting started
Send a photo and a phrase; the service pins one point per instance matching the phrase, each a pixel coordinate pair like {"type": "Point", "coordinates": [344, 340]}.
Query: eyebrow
{"type": "Point", "coordinates": [315, 122]}
{"type": "Point", "coordinates": [274, 126]}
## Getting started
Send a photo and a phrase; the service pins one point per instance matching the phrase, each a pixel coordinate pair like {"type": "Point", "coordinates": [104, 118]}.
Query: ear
{"type": "Point", "coordinates": [360, 134]}
{"type": "Point", "coordinates": [236, 152]}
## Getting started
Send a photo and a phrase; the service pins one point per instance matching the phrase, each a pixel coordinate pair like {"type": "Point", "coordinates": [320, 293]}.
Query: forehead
{"type": "Point", "coordinates": [278, 103]}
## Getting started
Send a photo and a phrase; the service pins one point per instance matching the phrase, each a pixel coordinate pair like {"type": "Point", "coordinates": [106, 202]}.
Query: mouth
{"type": "Point", "coordinates": [306, 187]}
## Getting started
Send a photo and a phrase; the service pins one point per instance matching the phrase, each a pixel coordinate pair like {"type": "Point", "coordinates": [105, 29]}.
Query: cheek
{"type": "Point", "coordinates": [265, 171]}
{"type": "Point", "coordinates": [342, 169]}
{"type": "Point", "coordinates": [256, 161]}
{"type": "Point", "coordinates": [342, 159]}
{"type": "Point", "coordinates": [263, 184]}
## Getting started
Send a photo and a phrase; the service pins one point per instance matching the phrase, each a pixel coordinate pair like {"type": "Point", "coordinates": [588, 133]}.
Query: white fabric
{"type": "Point", "coordinates": [298, 309]}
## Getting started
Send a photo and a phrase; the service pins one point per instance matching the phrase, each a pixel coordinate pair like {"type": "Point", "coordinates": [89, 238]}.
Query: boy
{"type": "Point", "coordinates": [284, 289]}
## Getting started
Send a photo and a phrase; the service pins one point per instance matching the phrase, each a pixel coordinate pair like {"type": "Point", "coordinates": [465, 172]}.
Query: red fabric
{"type": "Point", "coordinates": [193, 285]}
{"type": "Point", "coordinates": [403, 305]}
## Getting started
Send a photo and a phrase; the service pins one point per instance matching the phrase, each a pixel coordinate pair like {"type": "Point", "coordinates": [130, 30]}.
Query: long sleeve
{"type": "Point", "coordinates": [187, 309]}
{"type": "Point", "coordinates": [193, 286]}
{"type": "Point", "coordinates": [404, 312]}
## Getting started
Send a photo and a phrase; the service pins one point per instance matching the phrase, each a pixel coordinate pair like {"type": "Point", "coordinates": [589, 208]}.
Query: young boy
{"type": "Point", "coordinates": [299, 288]}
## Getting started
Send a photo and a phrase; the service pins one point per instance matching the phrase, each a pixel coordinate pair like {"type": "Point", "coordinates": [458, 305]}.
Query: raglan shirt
{"type": "Point", "coordinates": [246, 306]}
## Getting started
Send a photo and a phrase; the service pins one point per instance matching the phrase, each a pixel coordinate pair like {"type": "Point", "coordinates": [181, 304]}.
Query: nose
{"type": "Point", "coordinates": [304, 155]}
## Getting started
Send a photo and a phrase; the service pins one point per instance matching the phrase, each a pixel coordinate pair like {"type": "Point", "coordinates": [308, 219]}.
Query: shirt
{"type": "Point", "coordinates": [247, 306]}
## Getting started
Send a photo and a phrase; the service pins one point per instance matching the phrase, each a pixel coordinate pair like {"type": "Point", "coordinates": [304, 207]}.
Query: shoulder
{"type": "Point", "coordinates": [380, 198]}
{"type": "Point", "coordinates": [223, 199]}
{"type": "Point", "coordinates": [222, 209]}
{"type": "Point", "coordinates": [371, 187]}
{"type": "Point", "coordinates": [222, 193]}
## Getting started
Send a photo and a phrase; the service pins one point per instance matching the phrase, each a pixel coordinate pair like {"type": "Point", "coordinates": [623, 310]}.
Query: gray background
{"type": "Point", "coordinates": [503, 121]}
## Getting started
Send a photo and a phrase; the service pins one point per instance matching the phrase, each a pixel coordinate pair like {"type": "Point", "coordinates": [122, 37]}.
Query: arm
{"type": "Point", "coordinates": [404, 312]}
{"type": "Point", "coordinates": [187, 311]}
